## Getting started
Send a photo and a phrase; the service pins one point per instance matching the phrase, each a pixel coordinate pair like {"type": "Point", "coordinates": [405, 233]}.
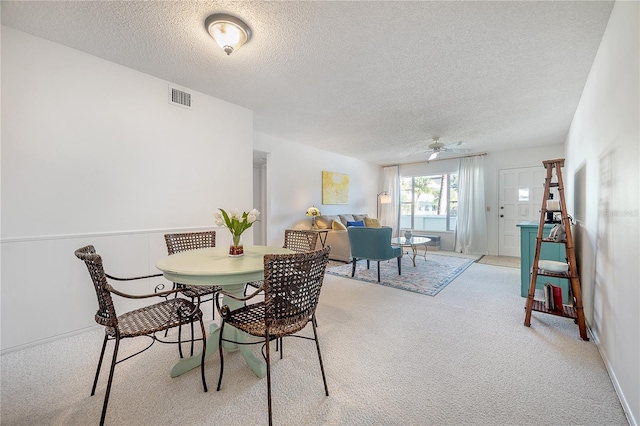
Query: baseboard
{"type": "Point", "coordinates": [49, 339]}
{"type": "Point", "coordinates": [614, 380]}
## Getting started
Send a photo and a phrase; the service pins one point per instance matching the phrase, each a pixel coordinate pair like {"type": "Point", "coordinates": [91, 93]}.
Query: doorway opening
{"type": "Point", "coordinates": [260, 163]}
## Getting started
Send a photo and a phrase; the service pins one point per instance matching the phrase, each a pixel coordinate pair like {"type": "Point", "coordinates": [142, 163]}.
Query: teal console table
{"type": "Point", "coordinates": [557, 252]}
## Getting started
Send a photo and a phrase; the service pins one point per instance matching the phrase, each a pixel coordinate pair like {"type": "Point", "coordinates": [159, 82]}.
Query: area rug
{"type": "Point", "coordinates": [427, 277]}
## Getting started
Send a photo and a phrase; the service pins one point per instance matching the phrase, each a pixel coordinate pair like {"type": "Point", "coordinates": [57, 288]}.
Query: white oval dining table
{"type": "Point", "coordinates": [214, 266]}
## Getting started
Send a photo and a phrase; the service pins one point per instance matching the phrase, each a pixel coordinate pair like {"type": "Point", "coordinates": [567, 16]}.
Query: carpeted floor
{"type": "Point", "coordinates": [391, 358]}
{"type": "Point", "coordinates": [430, 275]}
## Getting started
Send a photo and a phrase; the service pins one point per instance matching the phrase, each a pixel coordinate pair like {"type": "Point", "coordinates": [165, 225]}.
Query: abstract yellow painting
{"type": "Point", "coordinates": [335, 188]}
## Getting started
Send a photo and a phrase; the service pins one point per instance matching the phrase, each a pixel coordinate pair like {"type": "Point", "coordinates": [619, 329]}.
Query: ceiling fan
{"type": "Point", "coordinates": [436, 147]}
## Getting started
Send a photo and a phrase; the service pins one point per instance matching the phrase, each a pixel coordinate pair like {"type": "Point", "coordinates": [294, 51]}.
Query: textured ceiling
{"type": "Point", "coordinates": [375, 80]}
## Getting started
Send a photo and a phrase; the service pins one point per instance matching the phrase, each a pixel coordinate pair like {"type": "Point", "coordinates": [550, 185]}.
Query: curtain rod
{"type": "Point", "coordinates": [438, 159]}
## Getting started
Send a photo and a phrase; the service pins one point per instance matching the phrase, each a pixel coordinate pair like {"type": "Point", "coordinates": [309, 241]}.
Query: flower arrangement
{"type": "Point", "coordinates": [237, 223]}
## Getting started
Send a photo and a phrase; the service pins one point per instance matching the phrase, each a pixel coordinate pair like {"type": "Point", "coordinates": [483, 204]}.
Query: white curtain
{"type": "Point", "coordinates": [471, 225]}
{"type": "Point", "coordinates": [389, 213]}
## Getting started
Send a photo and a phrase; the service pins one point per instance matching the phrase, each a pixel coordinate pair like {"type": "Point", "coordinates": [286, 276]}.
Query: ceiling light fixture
{"type": "Point", "coordinates": [228, 31]}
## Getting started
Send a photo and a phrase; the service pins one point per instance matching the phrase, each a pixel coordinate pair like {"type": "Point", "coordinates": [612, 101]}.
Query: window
{"type": "Point", "coordinates": [429, 203]}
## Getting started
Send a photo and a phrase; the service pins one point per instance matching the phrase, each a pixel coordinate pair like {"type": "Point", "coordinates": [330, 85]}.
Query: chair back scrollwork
{"type": "Point", "coordinates": [106, 314]}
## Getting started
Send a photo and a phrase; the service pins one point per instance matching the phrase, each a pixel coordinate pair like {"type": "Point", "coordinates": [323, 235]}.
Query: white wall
{"type": "Point", "coordinates": [294, 183]}
{"type": "Point", "coordinates": [92, 152]}
{"type": "Point", "coordinates": [602, 177]}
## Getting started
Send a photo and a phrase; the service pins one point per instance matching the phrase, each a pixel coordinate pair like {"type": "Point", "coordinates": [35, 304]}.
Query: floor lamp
{"type": "Point", "coordinates": [383, 198]}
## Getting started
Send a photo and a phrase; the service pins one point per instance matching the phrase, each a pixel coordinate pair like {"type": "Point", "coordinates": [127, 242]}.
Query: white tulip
{"type": "Point", "coordinates": [217, 217]}
{"type": "Point", "coordinates": [252, 216]}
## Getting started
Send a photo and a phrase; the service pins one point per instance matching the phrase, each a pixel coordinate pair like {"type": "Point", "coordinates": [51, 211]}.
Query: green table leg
{"type": "Point", "coordinates": [190, 363]}
{"type": "Point", "coordinates": [256, 364]}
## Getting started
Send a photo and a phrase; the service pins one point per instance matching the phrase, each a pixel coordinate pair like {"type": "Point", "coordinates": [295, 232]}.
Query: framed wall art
{"type": "Point", "coordinates": [335, 188]}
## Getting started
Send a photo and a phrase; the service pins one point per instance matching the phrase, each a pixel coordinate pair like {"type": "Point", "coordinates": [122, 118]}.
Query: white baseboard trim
{"type": "Point", "coordinates": [614, 380]}
{"type": "Point", "coordinates": [50, 339]}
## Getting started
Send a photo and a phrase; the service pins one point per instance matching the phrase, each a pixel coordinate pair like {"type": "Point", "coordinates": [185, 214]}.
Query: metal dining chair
{"type": "Point", "coordinates": [291, 286]}
{"type": "Point", "coordinates": [145, 321]}
{"type": "Point", "coordinates": [179, 242]}
{"type": "Point", "coordinates": [298, 240]}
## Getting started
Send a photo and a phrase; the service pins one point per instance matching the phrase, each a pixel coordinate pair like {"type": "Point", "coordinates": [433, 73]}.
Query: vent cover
{"type": "Point", "coordinates": [179, 97]}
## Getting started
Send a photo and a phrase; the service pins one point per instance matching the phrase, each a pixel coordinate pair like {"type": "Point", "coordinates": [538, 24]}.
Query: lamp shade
{"type": "Point", "coordinates": [313, 211]}
{"type": "Point", "coordinates": [228, 31]}
{"type": "Point", "coordinates": [385, 199]}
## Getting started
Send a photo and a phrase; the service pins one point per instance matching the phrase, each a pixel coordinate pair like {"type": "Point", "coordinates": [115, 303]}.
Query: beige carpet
{"type": "Point", "coordinates": [508, 261]}
{"type": "Point", "coordinates": [392, 357]}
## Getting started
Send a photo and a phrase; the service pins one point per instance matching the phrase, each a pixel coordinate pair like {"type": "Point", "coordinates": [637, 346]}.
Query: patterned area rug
{"type": "Point", "coordinates": [427, 277]}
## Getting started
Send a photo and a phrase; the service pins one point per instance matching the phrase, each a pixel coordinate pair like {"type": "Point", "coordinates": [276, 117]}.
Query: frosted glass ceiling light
{"type": "Point", "coordinates": [228, 31]}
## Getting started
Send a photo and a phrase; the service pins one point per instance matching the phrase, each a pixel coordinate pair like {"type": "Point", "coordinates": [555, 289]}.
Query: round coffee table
{"type": "Point", "coordinates": [412, 242]}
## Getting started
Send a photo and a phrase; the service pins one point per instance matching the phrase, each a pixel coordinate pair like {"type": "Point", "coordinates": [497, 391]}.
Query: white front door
{"type": "Point", "coordinates": [520, 197]}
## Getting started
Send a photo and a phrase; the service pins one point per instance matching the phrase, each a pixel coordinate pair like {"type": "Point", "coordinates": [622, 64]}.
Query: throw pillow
{"type": "Point", "coordinates": [324, 221]}
{"type": "Point", "coordinates": [344, 218]}
{"type": "Point", "coordinates": [358, 223]}
{"type": "Point", "coordinates": [371, 223]}
{"type": "Point", "coordinates": [337, 225]}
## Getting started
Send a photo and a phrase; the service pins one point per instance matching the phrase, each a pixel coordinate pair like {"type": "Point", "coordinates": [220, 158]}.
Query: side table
{"type": "Point", "coordinates": [322, 235]}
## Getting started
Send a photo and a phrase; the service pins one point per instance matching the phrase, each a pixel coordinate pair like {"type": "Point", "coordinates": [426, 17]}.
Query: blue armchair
{"type": "Point", "coordinates": [372, 244]}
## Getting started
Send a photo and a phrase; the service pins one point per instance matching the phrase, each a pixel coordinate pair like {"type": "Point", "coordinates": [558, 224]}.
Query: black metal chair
{"type": "Point", "coordinates": [145, 321]}
{"type": "Point", "coordinates": [180, 242]}
{"type": "Point", "coordinates": [292, 284]}
{"type": "Point", "coordinates": [298, 240]}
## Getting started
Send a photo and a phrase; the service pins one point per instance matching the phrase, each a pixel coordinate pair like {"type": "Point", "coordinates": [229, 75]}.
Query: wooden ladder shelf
{"type": "Point", "coordinates": [575, 310]}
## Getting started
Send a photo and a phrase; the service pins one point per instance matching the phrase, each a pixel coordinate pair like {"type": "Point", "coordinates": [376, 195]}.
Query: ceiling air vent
{"type": "Point", "coordinates": [179, 97]}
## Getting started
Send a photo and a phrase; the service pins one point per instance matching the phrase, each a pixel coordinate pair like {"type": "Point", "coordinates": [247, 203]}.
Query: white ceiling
{"type": "Point", "coordinates": [374, 80]}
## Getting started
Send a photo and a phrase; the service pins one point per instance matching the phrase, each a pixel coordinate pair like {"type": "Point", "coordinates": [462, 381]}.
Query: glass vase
{"type": "Point", "coordinates": [236, 248]}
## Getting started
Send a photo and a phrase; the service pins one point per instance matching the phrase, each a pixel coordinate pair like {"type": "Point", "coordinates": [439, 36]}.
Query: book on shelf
{"type": "Point", "coordinates": [548, 297]}
{"type": "Point", "coordinates": [557, 298]}
{"type": "Point", "coordinates": [553, 297]}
